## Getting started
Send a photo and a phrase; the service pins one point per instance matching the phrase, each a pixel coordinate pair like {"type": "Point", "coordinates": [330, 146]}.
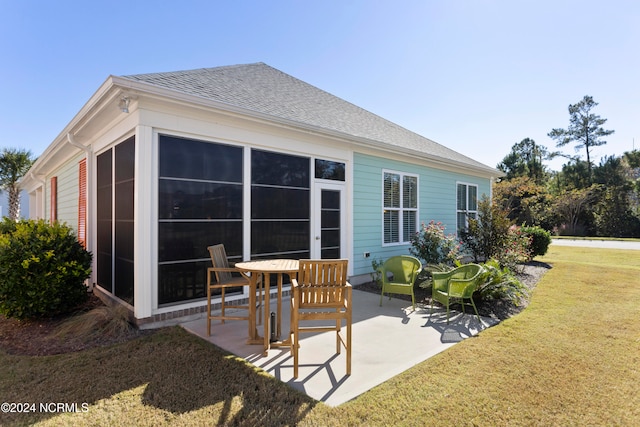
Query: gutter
{"type": "Point", "coordinates": [71, 140]}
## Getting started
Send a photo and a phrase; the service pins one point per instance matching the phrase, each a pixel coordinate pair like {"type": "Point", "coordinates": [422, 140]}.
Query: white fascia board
{"type": "Point", "coordinates": [89, 110]}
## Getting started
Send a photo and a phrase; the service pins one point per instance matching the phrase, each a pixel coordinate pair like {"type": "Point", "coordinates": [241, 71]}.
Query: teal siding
{"type": "Point", "coordinates": [437, 201]}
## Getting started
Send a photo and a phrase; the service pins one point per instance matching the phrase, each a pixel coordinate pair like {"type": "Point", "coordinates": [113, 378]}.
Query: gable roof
{"type": "Point", "coordinates": [265, 90]}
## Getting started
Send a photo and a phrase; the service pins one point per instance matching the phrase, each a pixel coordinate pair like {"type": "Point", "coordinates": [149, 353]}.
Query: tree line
{"type": "Point", "coordinates": [582, 199]}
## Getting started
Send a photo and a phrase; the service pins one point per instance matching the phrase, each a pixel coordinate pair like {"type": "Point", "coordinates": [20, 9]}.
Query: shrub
{"type": "Point", "coordinates": [499, 282]}
{"type": "Point", "coordinates": [515, 250]}
{"type": "Point", "coordinates": [43, 268]}
{"type": "Point", "coordinates": [487, 234]}
{"type": "Point", "coordinates": [431, 245]}
{"type": "Point", "coordinates": [540, 240]}
{"type": "Point", "coordinates": [375, 274]}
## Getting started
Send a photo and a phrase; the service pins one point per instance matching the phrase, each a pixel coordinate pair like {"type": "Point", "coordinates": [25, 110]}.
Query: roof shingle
{"type": "Point", "coordinates": [263, 89]}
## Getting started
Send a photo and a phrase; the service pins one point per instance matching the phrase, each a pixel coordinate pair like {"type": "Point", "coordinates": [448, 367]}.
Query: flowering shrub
{"type": "Point", "coordinates": [431, 245]}
{"type": "Point", "coordinates": [516, 248]}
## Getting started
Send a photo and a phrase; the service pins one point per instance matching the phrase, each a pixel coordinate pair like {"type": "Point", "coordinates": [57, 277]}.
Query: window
{"type": "Point", "coordinates": [400, 207]}
{"type": "Point", "coordinates": [326, 169]}
{"type": "Point", "coordinates": [467, 205]}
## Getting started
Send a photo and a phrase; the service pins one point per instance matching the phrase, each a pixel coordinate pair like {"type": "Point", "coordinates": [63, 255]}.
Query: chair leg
{"type": "Point", "coordinates": [295, 333]}
{"type": "Point", "coordinates": [222, 304]}
{"type": "Point", "coordinates": [475, 309]}
{"type": "Point", "coordinates": [208, 311]}
{"type": "Point", "coordinates": [349, 343]}
{"type": "Point", "coordinates": [338, 343]}
{"type": "Point", "coordinates": [448, 310]}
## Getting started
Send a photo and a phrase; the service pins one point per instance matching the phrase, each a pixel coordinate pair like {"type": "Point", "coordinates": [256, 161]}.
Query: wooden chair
{"type": "Point", "coordinates": [224, 280]}
{"type": "Point", "coordinates": [321, 293]}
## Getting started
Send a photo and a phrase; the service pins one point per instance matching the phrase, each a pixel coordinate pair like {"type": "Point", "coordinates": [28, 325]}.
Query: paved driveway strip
{"type": "Point", "coordinates": [604, 244]}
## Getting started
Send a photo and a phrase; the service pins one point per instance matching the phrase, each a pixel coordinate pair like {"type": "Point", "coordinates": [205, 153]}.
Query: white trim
{"type": "Point", "coordinates": [145, 229]}
{"type": "Point", "coordinates": [316, 215]}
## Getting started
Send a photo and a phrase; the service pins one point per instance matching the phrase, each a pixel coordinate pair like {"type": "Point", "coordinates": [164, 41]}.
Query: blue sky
{"type": "Point", "coordinates": [475, 75]}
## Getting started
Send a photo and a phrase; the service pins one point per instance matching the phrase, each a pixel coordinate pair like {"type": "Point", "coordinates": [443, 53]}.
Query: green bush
{"type": "Point", "coordinates": [500, 283]}
{"type": "Point", "coordinates": [540, 240]}
{"type": "Point", "coordinates": [431, 245]}
{"type": "Point", "coordinates": [488, 234]}
{"type": "Point", "coordinates": [42, 269]}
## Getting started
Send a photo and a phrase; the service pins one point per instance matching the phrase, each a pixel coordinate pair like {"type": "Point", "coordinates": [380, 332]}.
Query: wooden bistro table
{"type": "Point", "coordinates": [266, 268]}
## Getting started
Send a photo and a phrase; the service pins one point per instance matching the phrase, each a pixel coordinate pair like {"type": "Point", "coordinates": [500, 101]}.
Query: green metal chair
{"type": "Point", "coordinates": [458, 284]}
{"type": "Point", "coordinates": [404, 270]}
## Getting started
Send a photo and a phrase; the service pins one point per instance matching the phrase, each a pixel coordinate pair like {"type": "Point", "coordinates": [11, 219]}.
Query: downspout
{"type": "Point", "coordinates": [36, 179]}
{"type": "Point", "coordinates": [87, 150]}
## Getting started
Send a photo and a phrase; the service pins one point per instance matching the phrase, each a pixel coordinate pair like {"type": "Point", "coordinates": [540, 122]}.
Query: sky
{"type": "Point", "coordinates": [477, 76]}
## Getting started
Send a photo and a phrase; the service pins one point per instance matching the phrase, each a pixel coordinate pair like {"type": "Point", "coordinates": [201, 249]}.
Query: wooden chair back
{"type": "Point", "coordinates": [219, 260]}
{"type": "Point", "coordinates": [322, 283]}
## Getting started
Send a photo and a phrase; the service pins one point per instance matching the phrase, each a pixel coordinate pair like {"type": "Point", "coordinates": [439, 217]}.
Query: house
{"type": "Point", "coordinates": [156, 167]}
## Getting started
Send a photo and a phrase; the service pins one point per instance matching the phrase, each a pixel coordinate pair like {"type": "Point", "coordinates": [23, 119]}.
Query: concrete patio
{"type": "Point", "coordinates": [387, 340]}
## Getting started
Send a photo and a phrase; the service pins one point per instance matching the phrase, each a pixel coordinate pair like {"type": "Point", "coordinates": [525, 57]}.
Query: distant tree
{"type": "Point", "coordinates": [14, 163]}
{"type": "Point", "coordinates": [611, 172]}
{"type": "Point", "coordinates": [574, 175]}
{"type": "Point", "coordinates": [525, 159]}
{"type": "Point", "coordinates": [632, 160]}
{"type": "Point", "coordinates": [615, 213]}
{"type": "Point", "coordinates": [585, 128]}
{"type": "Point", "coordinates": [572, 205]}
{"type": "Point", "coordinates": [526, 202]}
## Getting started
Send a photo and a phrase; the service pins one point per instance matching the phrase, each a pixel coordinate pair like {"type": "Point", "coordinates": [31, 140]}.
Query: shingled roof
{"type": "Point", "coordinates": [263, 89]}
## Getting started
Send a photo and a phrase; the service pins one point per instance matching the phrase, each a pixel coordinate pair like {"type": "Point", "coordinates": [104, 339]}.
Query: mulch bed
{"type": "Point", "coordinates": [37, 337]}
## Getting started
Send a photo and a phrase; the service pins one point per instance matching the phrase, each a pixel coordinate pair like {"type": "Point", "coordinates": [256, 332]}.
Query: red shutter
{"type": "Point", "coordinates": [53, 216]}
{"type": "Point", "coordinates": [82, 202]}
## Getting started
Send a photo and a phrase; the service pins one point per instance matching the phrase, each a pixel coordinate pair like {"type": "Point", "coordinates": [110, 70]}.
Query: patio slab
{"type": "Point", "coordinates": [387, 340]}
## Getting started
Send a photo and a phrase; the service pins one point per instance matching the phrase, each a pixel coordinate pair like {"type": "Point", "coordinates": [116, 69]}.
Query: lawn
{"type": "Point", "coordinates": [571, 358]}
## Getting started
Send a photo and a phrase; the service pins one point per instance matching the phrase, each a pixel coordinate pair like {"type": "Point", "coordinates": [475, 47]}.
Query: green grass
{"type": "Point", "coordinates": [571, 358]}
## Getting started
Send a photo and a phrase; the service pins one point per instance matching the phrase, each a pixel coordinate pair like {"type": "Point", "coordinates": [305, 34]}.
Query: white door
{"type": "Point", "coordinates": [329, 221]}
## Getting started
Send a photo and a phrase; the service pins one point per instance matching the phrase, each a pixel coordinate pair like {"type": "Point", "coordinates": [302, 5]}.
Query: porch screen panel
{"type": "Point", "coordinates": [124, 226]}
{"type": "Point", "coordinates": [104, 215]}
{"type": "Point", "coordinates": [115, 171]}
{"type": "Point", "coordinates": [199, 204]}
{"type": "Point", "coordinates": [280, 205]}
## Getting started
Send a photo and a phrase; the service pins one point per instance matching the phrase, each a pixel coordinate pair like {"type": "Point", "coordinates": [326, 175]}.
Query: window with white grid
{"type": "Point", "coordinates": [400, 207]}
